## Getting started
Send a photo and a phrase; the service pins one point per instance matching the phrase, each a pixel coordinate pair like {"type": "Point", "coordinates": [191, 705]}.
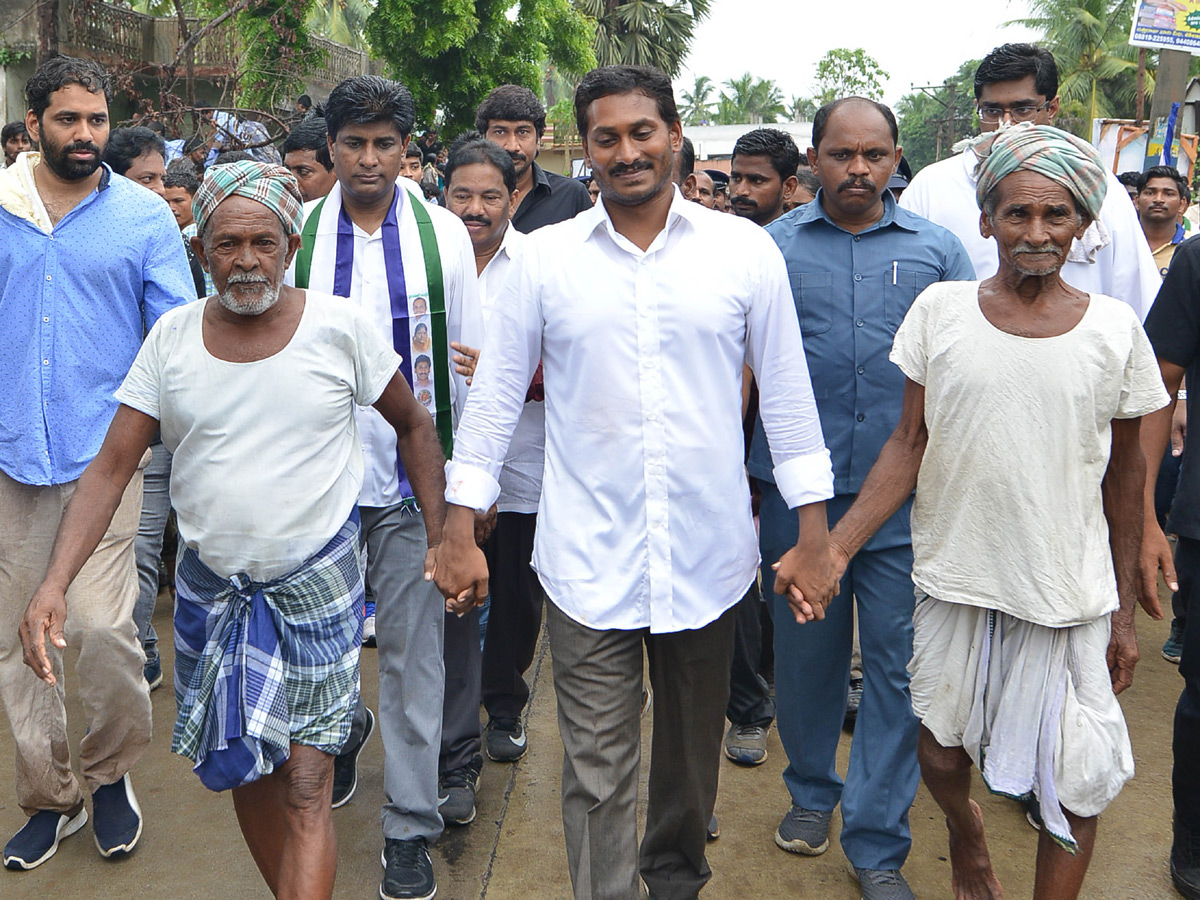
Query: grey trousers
{"type": "Point", "coordinates": [409, 617]}
{"type": "Point", "coordinates": [156, 508]}
{"type": "Point", "coordinates": [598, 681]}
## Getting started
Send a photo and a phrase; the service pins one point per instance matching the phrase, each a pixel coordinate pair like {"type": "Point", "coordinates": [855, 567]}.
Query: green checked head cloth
{"type": "Point", "coordinates": [272, 186]}
{"type": "Point", "coordinates": [1049, 151]}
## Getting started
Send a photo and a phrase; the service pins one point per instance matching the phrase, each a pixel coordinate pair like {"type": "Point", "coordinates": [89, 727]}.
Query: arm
{"type": "Point", "coordinates": [1123, 486]}
{"type": "Point", "coordinates": [890, 482]}
{"type": "Point", "coordinates": [166, 274]}
{"type": "Point", "coordinates": [1155, 551]}
{"type": "Point", "coordinates": [87, 517]}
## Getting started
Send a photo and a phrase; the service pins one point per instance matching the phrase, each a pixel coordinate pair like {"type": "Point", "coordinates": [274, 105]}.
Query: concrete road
{"type": "Point", "coordinates": [192, 848]}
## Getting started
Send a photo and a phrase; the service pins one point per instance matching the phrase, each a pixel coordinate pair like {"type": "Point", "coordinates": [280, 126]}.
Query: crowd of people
{"type": "Point", "coordinates": [902, 460]}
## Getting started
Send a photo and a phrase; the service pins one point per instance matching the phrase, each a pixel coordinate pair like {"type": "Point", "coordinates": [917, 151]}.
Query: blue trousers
{"type": "Point", "coordinates": [812, 673]}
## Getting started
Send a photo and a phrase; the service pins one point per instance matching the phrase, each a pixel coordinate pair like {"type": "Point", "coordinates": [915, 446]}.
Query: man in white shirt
{"type": "Point", "coordinates": [1019, 83]}
{"type": "Point", "coordinates": [410, 268]}
{"type": "Point", "coordinates": [1020, 433]}
{"type": "Point", "coordinates": [645, 535]}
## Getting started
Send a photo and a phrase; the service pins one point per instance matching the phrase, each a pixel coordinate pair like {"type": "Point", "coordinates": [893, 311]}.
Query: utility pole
{"type": "Point", "coordinates": [1170, 86]}
{"type": "Point", "coordinates": [945, 124]}
{"type": "Point", "coordinates": [47, 30]}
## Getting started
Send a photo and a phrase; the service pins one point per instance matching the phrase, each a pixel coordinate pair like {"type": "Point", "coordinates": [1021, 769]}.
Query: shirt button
{"type": "Point", "coordinates": [48, 278]}
{"type": "Point", "coordinates": [856, 239]}
{"type": "Point", "coordinates": [858, 322]}
{"type": "Point", "coordinates": [45, 318]}
{"type": "Point", "coordinates": [45, 362]}
{"type": "Point", "coordinates": [861, 369]}
{"type": "Point", "coordinates": [857, 277]}
{"type": "Point", "coordinates": [860, 417]}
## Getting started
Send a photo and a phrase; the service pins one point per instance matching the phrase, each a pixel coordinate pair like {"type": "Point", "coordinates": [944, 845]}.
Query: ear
{"type": "Point", "coordinates": [201, 257]}
{"type": "Point", "coordinates": [404, 145]}
{"type": "Point", "coordinates": [294, 242]}
{"type": "Point", "coordinates": [789, 186]}
{"type": "Point", "coordinates": [689, 186]}
{"type": "Point", "coordinates": [514, 200]}
{"type": "Point", "coordinates": [1083, 226]}
{"type": "Point", "coordinates": [812, 159]}
{"type": "Point", "coordinates": [985, 225]}
{"type": "Point", "coordinates": [676, 132]}
{"type": "Point", "coordinates": [896, 164]}
{"type": "Point", "coordinates": [1052, 110]}
{"type": "Point", "coordinates": [31, 125]}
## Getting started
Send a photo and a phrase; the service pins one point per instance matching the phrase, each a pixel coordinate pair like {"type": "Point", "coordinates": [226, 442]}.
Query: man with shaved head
{"type": "Point", "coordinates": [698, 187]}
{"type": "Point", "coordinates": [255, 391]}
{"type": "Point", "coordinates": [1026, 535]}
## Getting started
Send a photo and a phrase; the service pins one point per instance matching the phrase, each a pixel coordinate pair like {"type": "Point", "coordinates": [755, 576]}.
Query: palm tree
{"type": "Point", "coordinates": [802, 109]}
{"type": "Point", "coordinates": [698, 102]}
{"type": "Point", "coordinates": [344, 21]}
{"type": "Point", "coordinates": [644, 32]}
{"type": "Point", "coordinates": [750, 99]}
{"type": "Point", "coordinates": [1096, 66]}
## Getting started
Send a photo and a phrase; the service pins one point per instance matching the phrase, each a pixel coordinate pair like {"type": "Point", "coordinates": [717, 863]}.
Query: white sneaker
{"type": "Point", "coordinates": [369, 631]}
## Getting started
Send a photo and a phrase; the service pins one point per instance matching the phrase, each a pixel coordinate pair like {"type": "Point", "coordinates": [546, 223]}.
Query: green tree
{"type": "Point", "coordinates": [925, 121]}
{"type": "Point", "coordinates": [846, 73]}
{"type": "Point", "coordinates": [450, 53]}
{"type": "Point", "coordinates": [802, 109]}
{"type": "Point", "coordinates": [344, 21]}
{"type": "Point", "coordinates": [1097, 69]}
{"type": "Point", "coordinates": [750, 100]}
{"type": "Point", "coordinates": [644, 32]}
{"type": "Point", "coordinates": [698, 102]}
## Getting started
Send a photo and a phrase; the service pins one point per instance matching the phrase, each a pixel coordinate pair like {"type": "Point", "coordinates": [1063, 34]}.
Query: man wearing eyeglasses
{"type": "Point", "coordinates": [1019, 83]}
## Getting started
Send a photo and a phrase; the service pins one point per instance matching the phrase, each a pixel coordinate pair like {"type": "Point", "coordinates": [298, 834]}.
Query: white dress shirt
{"type": "Point", "coordinates": [369, 291]}
{"type": "Point", "coordinates": [644, 520]}
{"type": "Point", "coordinates": [521, 478]}
{"type": "Point", "coordinates": [1123, 268]}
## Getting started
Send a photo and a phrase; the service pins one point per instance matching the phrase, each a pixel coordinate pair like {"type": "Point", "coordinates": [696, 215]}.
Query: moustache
{"type": "Point", "coordinates": [744, 201]}
{"type": "Point", "coordinates": [518, 156]}
{"type": "Point", "coordinates": [81, 146]}
{"type": "Point", "coordinates": [1026, 247]}
{"type": "Point", "coordinates": [623, 168]}
{"type": "Point", "coordinates": [247, 279]}
{"type": "Point", "coordinates": [482, 220]}
{"type": "Point", "coordinates": [861, 183]}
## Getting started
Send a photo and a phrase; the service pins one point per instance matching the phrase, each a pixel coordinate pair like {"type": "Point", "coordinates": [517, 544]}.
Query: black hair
{"type": "Point", "coordinates": [473, 148]}
{"type": "Point", "coordinates": [1012, 62]}
{"type": "Point", "coordinates": [1130, 178]}
{"type": "Point", "coordinates": [821, 119]}
{"type": "Point", "coordinates": [687, 159]}
{"type": "Point", "coordinates": [774, 144]}
{"type": "Point", "coordinates": [808, 180]}
{"type": "Point", "coordinates": [231, 156]}
{"type": "Point", "coordinates": [155, 126]}
{"type": "Point", "coordinates": [182, 177]}
{"type": "Point", "coordinates": [309, 135]}
{"type": "Point", "coordinates": [305, 101]}
{"type": "Point", "coordinates": [192, 144]}
{"type": "Point", "coordinates": [413, 151]}
{"type": "Point", "coordinates": [127, 144]}
{"type": "Point", "coordinates": [422, 359]}
{"type": "Point", "coordinates": [1165, 172]}
{"type": "Point", "coordinates": [366, 99]}
{"type": "Point", "coordinates": [12, 130]}
{"type": "Point", "coordinates": [511, 103]}
{"type": "Point", "coordinates": [608, 80]}
{"type": "Point", "coordinates": [55, 74]}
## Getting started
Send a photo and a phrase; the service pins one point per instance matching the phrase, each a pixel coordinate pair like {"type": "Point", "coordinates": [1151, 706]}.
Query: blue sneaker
{"type": "Point", "coordinates": [116, 817]}
{"type": "Point", "coordinates": [38, 840]}
{"type": "Point", "coordinates": [153, 673]}
{"type": "Point", "coordinates": [1172, 650]}
{"type": "Point", "coordinates": [369, 624]}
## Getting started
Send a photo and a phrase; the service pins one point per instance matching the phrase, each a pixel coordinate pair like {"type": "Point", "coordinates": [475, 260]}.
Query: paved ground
{"type": "Point", "coordinates": [514, 850]}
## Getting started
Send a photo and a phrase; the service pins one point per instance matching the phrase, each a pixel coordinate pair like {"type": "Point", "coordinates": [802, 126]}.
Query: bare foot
{"type": "Point", "coordinates": [972, 877]}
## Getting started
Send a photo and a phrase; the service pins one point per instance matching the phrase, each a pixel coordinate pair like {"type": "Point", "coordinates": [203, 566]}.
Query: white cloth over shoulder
{"type": "Point", "coordinates": [1008, 512]}
{"type": "Point", "coordinates": [1112, 259]}
{"type": "Point", "coordinates": [267, 464]}
{"type": "Point", "coordinates": [1033, 706]}
{"type": "Point", "coordinates": [644, 520]}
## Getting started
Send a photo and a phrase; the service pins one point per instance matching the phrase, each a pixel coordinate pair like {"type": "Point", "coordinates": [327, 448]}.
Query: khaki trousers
{"type": "Point", "coordinates": [116, 699]}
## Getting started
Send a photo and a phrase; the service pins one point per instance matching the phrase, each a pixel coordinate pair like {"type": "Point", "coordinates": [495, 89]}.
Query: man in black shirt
{"type": "Point", "coordinates": [1174, 329]}
{"type": "Point", "coordinates": [512, 117]}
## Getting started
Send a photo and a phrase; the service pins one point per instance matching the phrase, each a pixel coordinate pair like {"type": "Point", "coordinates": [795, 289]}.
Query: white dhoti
{"type": "Point", "coordinates": [1032, 705]}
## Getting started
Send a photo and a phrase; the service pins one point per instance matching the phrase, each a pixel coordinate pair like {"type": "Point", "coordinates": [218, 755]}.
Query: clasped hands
{"type": "Point", "coordinates": [457, 565]}
{"type": "Point", "coordinates": [809, 576]}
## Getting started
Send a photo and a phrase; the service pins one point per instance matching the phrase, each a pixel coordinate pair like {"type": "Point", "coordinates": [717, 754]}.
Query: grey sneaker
{"type": "Point", "coordinates": [882, 884]}
{"type": "Point", "coordinates": [746, 745]}
{"type": "Point", "coordinates": [456, 792]}
{"type": "Point", "coordinates": [804, 831]}
{"type": "Point", "coordinates": [1172, 650]}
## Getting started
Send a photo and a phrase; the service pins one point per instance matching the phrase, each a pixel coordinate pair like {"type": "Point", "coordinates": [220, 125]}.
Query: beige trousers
{"type": "Point", "coordinates": [116, 700]}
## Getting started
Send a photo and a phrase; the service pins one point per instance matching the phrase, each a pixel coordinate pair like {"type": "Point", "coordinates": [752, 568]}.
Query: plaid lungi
{"type": "Point", "coordinates": [259, 666]}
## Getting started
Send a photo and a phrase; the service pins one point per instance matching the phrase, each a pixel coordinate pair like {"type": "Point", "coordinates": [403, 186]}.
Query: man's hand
{"type": "Point", "coordinates": [1122, 651]}
{"type": "Point", "coordinates": [465, 360]}
{"type": "Point", "coordinates": [485, 524]}
{"type": "Point", "coordinates": [458, 566]}
{"type": "Point", "coordinates": [807, 580]}
{"type": "Point", "coordinates": [1156, 554]}
{"type": "Point", "coordinates": [45, 616]}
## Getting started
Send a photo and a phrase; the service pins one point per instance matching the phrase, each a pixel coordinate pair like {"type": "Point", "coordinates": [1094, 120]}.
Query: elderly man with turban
{"type": "Point", "coordinates": [1019, 434]}
{"type": "Point", "coordinates": [254, 390]}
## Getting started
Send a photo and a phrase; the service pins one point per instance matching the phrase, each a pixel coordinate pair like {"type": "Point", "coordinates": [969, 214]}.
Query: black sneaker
{"type": "Point", "coordinates": [853, 701]}
{"type": "Point", "coordinates": [1185, 861]}
{"type": "Point", "coordinates": [714, 829]}
{"type": "Point", "coordinates": [38, 840]}
{"type": "Point", "coordinates": [345, 766]}
{"type": "Point", "coordinates": [505, 739]}
{"type": "Point", "coordinates": [456, 792]}
{"type": "Point", "coordinates": [116, 817]}
{"type": "Point", "coordinates": [407, 871]}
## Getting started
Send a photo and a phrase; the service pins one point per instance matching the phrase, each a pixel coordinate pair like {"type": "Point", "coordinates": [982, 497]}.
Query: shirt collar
{"type": "Point", "coordinates": [681, 209]}
{"type": "Point", "coordinates": [539, 178]}
{"type": "Point", "coordinates": [893, 215]}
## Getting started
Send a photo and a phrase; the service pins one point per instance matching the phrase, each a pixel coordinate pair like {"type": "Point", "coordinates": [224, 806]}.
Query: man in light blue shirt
{"type": "Point", "coordinates": [856, 263]}
{"type": "Point", "coordinates": [88, 263]}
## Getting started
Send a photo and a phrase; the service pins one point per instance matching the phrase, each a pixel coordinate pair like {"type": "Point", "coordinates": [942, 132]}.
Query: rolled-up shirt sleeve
{"type": "Point", "coordinates": [510, 354]}
{"type": "Point", "coordinates": [803, 470]}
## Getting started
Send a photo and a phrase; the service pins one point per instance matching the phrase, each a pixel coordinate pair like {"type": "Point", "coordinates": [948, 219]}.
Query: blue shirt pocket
{"type": "Point", "coordinates": [902, 285]}
{"type": "Point", "coordinates": [813, 292]}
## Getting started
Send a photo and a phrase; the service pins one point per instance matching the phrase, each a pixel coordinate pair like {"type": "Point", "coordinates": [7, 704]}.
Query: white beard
{"type": "Point", "coordinates": [268, 298]}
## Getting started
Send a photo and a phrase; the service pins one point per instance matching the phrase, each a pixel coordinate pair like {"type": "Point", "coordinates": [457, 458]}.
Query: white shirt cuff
{"type": "Point", "coordinates": [470, 486]}
{"type": "Point", "coordinates": [802, 479]}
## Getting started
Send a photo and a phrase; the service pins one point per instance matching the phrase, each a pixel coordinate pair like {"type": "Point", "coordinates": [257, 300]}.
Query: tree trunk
{"type": "Point", "coordinates": [47, 23]}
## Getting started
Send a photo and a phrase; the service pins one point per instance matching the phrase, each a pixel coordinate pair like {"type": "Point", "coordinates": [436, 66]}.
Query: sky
{"type": "Point", "coordinates": [917, 42]}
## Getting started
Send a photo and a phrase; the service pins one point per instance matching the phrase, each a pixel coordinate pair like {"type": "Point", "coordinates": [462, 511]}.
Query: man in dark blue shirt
{"type": "Point", "coordinates": [856, 263]}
